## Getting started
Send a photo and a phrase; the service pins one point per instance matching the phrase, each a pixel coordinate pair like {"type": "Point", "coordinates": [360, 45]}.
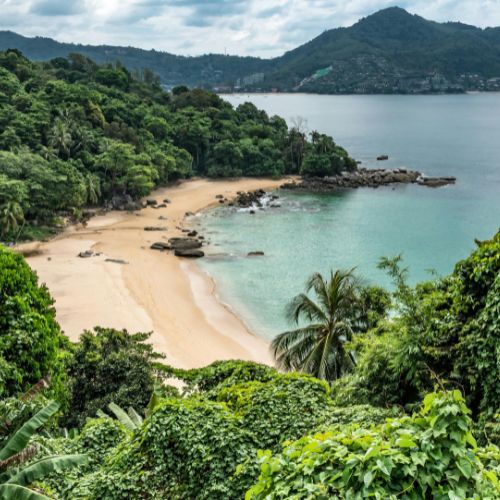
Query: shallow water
{"type": "Point", "coordinates": [432, 228]}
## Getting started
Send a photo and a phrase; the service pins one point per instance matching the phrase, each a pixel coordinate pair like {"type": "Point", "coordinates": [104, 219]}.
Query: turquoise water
{"type": "Point", "coordinates": [432, 228]}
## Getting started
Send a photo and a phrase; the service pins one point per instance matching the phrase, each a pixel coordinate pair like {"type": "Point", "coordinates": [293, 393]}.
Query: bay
{"type": "Point", "coordinates": [443, 135]}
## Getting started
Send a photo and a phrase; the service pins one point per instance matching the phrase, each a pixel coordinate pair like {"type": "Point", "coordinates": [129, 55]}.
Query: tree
{"type": "Point", "coordinates": [92, 188]}
{"type": "Point", "coordinates": [110, 366]}
{"type": "Point", "coordinates": [318, 347]}
{"type": "Point", "coordinates": [11, 214]}
{"type": "Point", "coordinates": [60, 139]}
{"type": "Point", "coordinates": [14, 479]}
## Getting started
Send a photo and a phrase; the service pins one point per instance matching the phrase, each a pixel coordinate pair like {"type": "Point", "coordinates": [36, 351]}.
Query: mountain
{"type": "Point", "coordinates": [390, 51]}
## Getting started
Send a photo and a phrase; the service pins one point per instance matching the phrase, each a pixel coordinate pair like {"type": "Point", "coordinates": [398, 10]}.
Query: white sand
{"type": "Point", "coordinates": [155, 291]}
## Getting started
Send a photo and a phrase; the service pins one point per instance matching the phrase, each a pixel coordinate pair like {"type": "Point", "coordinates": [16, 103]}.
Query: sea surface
{"type": "Point", "coordinates": [445, 135]}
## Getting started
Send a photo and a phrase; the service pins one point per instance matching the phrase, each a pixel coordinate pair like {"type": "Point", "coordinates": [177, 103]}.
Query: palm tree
{"type": "Point", "coordinates": [15, 479]}
{"type": "Point", "coordinates": [318, 347]}
{"type": "Point", "coordinates": [60, 138]}
{"type": "Point", "coordinates": [11, 214]}
{"type": "Point", "coordinates": [93, 188]}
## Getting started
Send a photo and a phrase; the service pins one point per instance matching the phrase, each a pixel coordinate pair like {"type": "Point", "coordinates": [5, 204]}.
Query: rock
{"type": "Point", "coordinates": [184, 243]}
{"type": "Point", "coordinates": [123, 202]}
{"type": "Point", "coordinates": [221, 201]}
{"type": "Point", "coordinates": [219, 196]}
{"type": "Point", "coordinates": [189, 214]}
{"type": "Point", "coordinates": [86, 254]}
{"type": "Point", "coordinates": [117, 261]}
{"type": "Point", "coordinates": [436, 181]}
{"type": "Point", "coordinates": [252, 212]}
{"type": "Point", "coordinates": [257, 253]}
{"type": "Point", "coordinates": [160, 245]}
{"type": "Point", "coordinates": [192, 233]}
{"type": "Point", "coordinates": [201, 237]}
{"type": "Point", "coordinates": [151, 202]}
{"type": "Point", "coordinates": [194, 254]}
{"type": "Point", "coordinates": [382, 157]}
{"type": "Point", "coordinates": [155, 228]}
{"type": "Point", "coordinates": [162, 205]}
{"type": "Point", "coordinates": [162, 217]}
{"type": "Point", "coordinates": [186, 230]}
{"type": "Point", "coordinates": [250, 199]}
{"type": "Point", "coordinates": [167, 200]}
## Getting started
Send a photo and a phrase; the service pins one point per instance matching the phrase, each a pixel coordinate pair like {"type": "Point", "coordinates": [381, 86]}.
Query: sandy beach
{"type": "Point", "coordinates": [155, 291]}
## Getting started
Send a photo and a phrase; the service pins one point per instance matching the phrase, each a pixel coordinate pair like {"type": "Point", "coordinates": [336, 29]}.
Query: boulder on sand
{"type": "Point", "coordinates": [184, 243]}
{"type": "Point", "coordinates": [151, 202]}
{"type": "Point", "coordinates": [155, 228]}
{"type": "Point", "coordinates": [160, 245]}
{"type": "Point", "coordinates": [194, 254]}
{"type": "Point", "coordinates": [86, 254]}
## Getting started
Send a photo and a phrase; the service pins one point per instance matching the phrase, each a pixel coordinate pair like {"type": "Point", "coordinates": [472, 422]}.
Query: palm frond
{"type": "Point", "coordinates": [16, 492]}
{"type": "Point", "coordinates": [46, 466]}
{"type": "Point", "coordinates": [21, 438]}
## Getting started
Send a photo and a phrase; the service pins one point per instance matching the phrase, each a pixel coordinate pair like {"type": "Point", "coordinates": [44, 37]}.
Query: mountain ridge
{"type": "Point", "coordinates": [390, 51]}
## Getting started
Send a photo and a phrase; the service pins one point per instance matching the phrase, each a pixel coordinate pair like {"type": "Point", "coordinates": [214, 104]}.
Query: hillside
{"type": "Point", "coordinates": [390, 51]}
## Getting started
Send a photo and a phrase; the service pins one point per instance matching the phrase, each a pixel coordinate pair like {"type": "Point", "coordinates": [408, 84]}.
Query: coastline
{"type": "Point", "coordinates": [155, 291]}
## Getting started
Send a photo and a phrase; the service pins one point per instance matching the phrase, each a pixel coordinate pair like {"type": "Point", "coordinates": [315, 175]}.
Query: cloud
{"type": "Point", "coordinates": [248, 27]}
{"type": "Point", "coordinates": [56, 8]}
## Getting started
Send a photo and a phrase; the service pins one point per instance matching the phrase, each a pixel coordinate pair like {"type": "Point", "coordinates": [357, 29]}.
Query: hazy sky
{"type": "Point", "coordinates": [253, 27]}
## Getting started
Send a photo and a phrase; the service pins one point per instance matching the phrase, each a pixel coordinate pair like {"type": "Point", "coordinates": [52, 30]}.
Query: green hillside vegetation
{"type": "Point", "coordinates": [390, 51]}
{"type": "Point", "coordinates": [414, 416]}
{"type": "Point", "coordinates": [73, 133]}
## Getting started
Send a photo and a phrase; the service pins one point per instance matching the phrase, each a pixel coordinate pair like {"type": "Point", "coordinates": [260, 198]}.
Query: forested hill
{"type": "Point", "coordinates": [390, 51]}
{"type": "Point", "coordinates": [207, 70]}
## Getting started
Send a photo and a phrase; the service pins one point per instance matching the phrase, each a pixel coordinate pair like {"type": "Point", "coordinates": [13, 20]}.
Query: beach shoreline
{"type": "Point", "coordinates": [154, 291]}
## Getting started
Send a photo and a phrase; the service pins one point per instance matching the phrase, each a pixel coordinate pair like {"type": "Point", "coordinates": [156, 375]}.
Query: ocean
{"type": "Point", "coordinates": [442, 135]}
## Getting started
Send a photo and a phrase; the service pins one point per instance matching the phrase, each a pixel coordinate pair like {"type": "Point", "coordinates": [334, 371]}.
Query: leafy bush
{"type": "Point", "coordinates": [110, 366]}
{"type": "Point", "coordinates": [429, 455]}
{"type": "Point", "coordinates": [31, 343]}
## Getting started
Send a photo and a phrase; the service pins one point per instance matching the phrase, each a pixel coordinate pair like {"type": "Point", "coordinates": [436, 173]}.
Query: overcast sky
{"type": "Point", "coordinates": [246, 27]}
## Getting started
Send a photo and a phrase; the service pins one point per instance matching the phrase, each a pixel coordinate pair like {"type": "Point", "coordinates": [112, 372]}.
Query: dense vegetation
{"type": "Point", "coordinates": [389, 51]}
{"type": "Point", "coordinates": [73, 133]}
{"type": "Point", "coordinates": [378, 428]}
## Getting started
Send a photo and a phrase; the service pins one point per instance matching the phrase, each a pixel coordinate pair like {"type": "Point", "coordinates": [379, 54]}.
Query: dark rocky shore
{"type": "Point", "coordinates": [364, 177]}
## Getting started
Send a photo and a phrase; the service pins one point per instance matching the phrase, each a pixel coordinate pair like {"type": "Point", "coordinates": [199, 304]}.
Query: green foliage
{"type": "Point", "coordinates": [446, 331]}
{"type": "Point", "coordinates": [202, 445]}
{"type": "Point", "coordinates": [31, 343]}
{"type": "Point", "coordinates": [342, 309]}
{"type": "Point", "coordinates": [429, 455]}
{"type": "Point", "coordinates": [14, 477]}
{"type": "Point", "coordinates": [110, 366]}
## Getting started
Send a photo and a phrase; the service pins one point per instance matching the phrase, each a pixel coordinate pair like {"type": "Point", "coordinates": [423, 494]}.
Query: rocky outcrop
{"type": "Point", "coordinates": [123, 202]}
{"type": "Point", "coordinates": [193, 254]}
{"type": "Point", "coordinates": [364, 177]}
{"type": "Point", "coordinates": [382, 157]}
{"type": "Point", "coordinates": [257, 253]}
{"type": "Point", "coordinates": [249, 199]}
